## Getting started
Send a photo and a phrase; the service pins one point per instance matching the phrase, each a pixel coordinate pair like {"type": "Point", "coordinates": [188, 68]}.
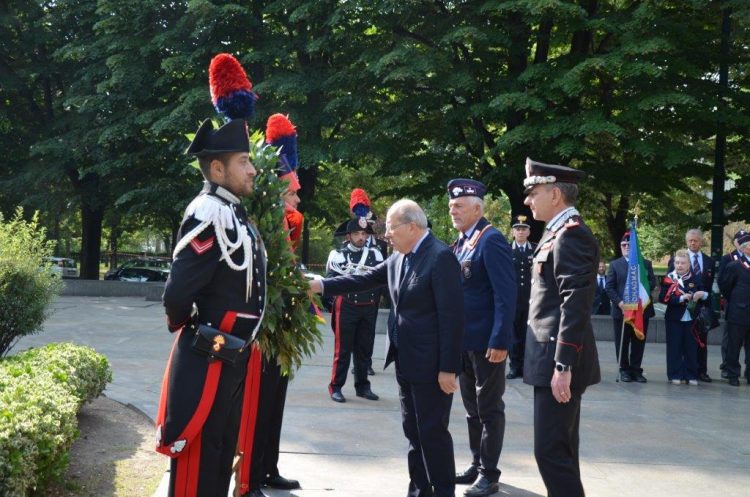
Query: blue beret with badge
{"type": "Point", "coordinates": [462, 187]}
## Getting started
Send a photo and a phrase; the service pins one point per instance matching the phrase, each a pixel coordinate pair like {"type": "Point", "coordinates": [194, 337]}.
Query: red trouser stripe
{"type": "Point", "coordinates": [188, 465]}
{"type": "Point", "coordinates": [337, 349]}
{"type": "Point", "coordinates": [161, 412]}
{"type": "Point", "coordinates": [249, 417]}
{"type": "Point", "coordinates": [188, 460]}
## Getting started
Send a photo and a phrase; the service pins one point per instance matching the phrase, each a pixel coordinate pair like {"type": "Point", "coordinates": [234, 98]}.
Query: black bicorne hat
{"type": "Point", "coordinates": [232, 137]}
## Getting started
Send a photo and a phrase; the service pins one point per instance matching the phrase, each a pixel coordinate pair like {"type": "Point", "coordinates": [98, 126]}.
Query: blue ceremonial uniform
{"type": "Point", "coordinates": [489, 287]}
{"type": "Point", "coordinates": [489, 284]}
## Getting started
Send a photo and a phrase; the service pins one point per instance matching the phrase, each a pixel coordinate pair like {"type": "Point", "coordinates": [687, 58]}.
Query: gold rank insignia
{"type": "Point", "coordinates": [218, 343]}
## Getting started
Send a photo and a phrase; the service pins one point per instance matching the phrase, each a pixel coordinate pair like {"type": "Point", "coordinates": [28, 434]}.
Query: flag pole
{"type": "Point", "coordinates": [619, 355]}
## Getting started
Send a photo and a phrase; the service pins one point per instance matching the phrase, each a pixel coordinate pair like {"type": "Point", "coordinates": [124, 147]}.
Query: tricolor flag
{"type": "Point", "coordinates": [637, 295]}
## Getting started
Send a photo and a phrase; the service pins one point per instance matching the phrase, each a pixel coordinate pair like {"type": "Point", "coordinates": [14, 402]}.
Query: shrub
{"type": "Point", "coordinates": [27, 286]}
{"type": "Point", "coordinates": [41, 391]}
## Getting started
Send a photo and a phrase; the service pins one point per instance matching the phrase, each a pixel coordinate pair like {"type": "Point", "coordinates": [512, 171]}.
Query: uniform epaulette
{"type": "Point", "coordinates": [211, 208]}
{"type": "Point", "coordinates": [572, 224]}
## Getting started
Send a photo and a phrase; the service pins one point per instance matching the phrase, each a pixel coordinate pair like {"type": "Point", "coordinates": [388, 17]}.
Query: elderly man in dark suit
{"type": "Point", "coordinates": [631, 354]}
{"type": "Point", "coordinates": [489, 284]}
{"type": "Point", "coordinates": [703, 266]}
{"type": "Point", "coordinates": [425, 328]}
{"type": "Point", "coordinates": [734, 282]}
{"type": "Point", "coordinates": [561, 357]}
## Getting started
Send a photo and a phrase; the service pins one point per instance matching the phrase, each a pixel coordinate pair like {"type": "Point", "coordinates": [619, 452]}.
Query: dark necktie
{"type": "Point", "coordinates": [696, 265]}
{"type": "Point", "coordinates": [601, 283]}
{"type": "Point", "coordinates": [405, 267]}
{"type": "Point", "coordinates": [404, 271]}
{"type": "Point", "coordinates": [460, 243]}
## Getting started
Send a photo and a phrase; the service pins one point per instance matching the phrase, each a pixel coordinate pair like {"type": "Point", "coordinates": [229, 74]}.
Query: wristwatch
{"type": "Point", "coordinates": [560, 367]}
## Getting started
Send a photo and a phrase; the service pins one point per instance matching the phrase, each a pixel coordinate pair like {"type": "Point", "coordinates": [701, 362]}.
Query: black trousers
{"type": "Point", "coordinates": [556, 442]}
{"type": "Point", "coordinates": [354, 327]}
{"type": "Point", "coordinates": [682, 351]}
{"type": "Point", "coordinates": [703, 353]}
{"type": "Point", "coordinates": [425, 413]}
{"type": "Point", "coordinates": [218, 442]}
{"type": "Point", "coordinates": [632, 346]}
{"type": "Point", "coordinates": [738, 335]}
{"type": "Point", "coordinates": [725, 347]}
{"type": "Point", "coordinates": [518, 340]}
{"type": "Point", "coordinates": [482, 387]}
{"type": "Point", "coordinates": [271, 402]}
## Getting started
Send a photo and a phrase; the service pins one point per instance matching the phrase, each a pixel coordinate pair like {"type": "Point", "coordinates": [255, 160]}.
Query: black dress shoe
{"type": "Point", "coordinates": [735, 382]}
{"type": "Point", "coordinates": [367, 394]}
{"type": "Point", "coordinates": [639, 378]}
{"type": "Point", "coordinates": [482, 488]}
{"type": "Point", "coordinates": [724, 374]}
{"type": "Point", "coordinates": [370, 371]}
{"type": "Point", "coordinates": [337, 396]}
{"type": "Point", "coordinates": [468, 476]}
{"type": "Point", "coordinates": [255, 493]}
{"type": "Point", "coordinates": [625, 377]}
{"type": "Point", "coordinates": [704, 378]}
{"type": "Point", "coordinates": [512, 375]}
{"type": "Point", "coordinates": [282, 483]}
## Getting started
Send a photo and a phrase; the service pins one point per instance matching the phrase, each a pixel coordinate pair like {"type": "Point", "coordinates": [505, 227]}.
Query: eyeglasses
{"type": "Point", "coordinates": [391, 229]}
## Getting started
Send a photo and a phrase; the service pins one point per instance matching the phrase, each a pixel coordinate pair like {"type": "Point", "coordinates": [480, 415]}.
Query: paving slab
{"type": "Point", "coordinates": [653, 439]}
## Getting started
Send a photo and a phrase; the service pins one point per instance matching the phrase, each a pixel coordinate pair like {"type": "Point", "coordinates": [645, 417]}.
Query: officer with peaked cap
{"type": "Point", "coordinates": [523, 253]}
{"type": "Point", "coordinates": [561, 358]}
{"type": "Point", "coordinates": [489, 291]}
{"type": "Point", "coordinates": [734, 282]}
{"type": "Point", "coordinates": [725, 260]}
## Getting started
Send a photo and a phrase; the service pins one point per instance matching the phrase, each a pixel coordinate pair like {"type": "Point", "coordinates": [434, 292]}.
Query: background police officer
{"type": "Point", "coordinates": [523, 254]}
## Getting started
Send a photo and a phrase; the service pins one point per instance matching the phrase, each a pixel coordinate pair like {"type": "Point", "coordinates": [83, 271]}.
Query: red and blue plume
{"type": "Point", "coordinates": [359, 203]}
{"type": "Point", "coordinates": [281, 133]}
{"type": "Point", "coordinates": [231, 90]}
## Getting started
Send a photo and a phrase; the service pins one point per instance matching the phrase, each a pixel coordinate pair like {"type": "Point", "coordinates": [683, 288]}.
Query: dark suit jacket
{"type": "Point", "coordinates": [427, 309]}
{"type": "Point", "coordinates": [562, 293]}
{"type": "Point", "coordinates": [489, 284]}
{"type": "Point", "coordinates": [602, 304]}
{"type": "Point", "coordinates": [734, 282]}
{"type": "Point", "coordinates": [617, 275]}
{"type": "Point", "coordinates": [725, 260]}
{"type": "Point", "coordinates": [707, 276]}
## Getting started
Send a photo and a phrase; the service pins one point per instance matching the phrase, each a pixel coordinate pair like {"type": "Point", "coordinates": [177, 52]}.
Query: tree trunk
{"type": "Point", "coordinates": [91, 235]}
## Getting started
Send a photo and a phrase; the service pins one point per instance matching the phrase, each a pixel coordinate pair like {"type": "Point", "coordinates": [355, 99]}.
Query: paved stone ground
{"type": "Point", "coordinates": [637, 440]}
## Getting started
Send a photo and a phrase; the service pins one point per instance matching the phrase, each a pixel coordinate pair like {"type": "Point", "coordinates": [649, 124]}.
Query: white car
{"type": "Point", "coordinates": [63, 266]}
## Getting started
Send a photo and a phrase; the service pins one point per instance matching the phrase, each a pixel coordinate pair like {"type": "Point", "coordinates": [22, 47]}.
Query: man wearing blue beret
{"type": "Point", "coordinates": [489, 284]}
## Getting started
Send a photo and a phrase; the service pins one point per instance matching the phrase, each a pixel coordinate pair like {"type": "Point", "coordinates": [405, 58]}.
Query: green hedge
{"type": "Point", "coordinates": [41, 391]}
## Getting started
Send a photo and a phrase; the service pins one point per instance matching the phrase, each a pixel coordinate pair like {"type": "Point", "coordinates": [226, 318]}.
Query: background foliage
{"type": "Point", "coordinates": [27, 284]}
{"type": "Point", "coordinates": [41, 391]}
{"type": "Point", "coordinates": [393, 96]}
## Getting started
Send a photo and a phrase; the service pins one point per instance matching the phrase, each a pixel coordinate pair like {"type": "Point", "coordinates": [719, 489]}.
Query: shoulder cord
{"type": "Point", "coordinates": [221, 216]}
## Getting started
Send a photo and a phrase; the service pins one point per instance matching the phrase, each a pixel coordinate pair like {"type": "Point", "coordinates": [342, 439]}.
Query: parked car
{"type": "Point", "coordinates": [152, 263]}
{"type": "Point", "coordinates": [63, 266]}
{"type": "Point", "coordinates": [138, 274]}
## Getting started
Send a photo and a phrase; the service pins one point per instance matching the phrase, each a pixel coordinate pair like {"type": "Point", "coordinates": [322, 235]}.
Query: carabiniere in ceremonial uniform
{"type": "Point", "coordinates": [560, 346]}
{"type": "Point", "coordinates": [214, 301]}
